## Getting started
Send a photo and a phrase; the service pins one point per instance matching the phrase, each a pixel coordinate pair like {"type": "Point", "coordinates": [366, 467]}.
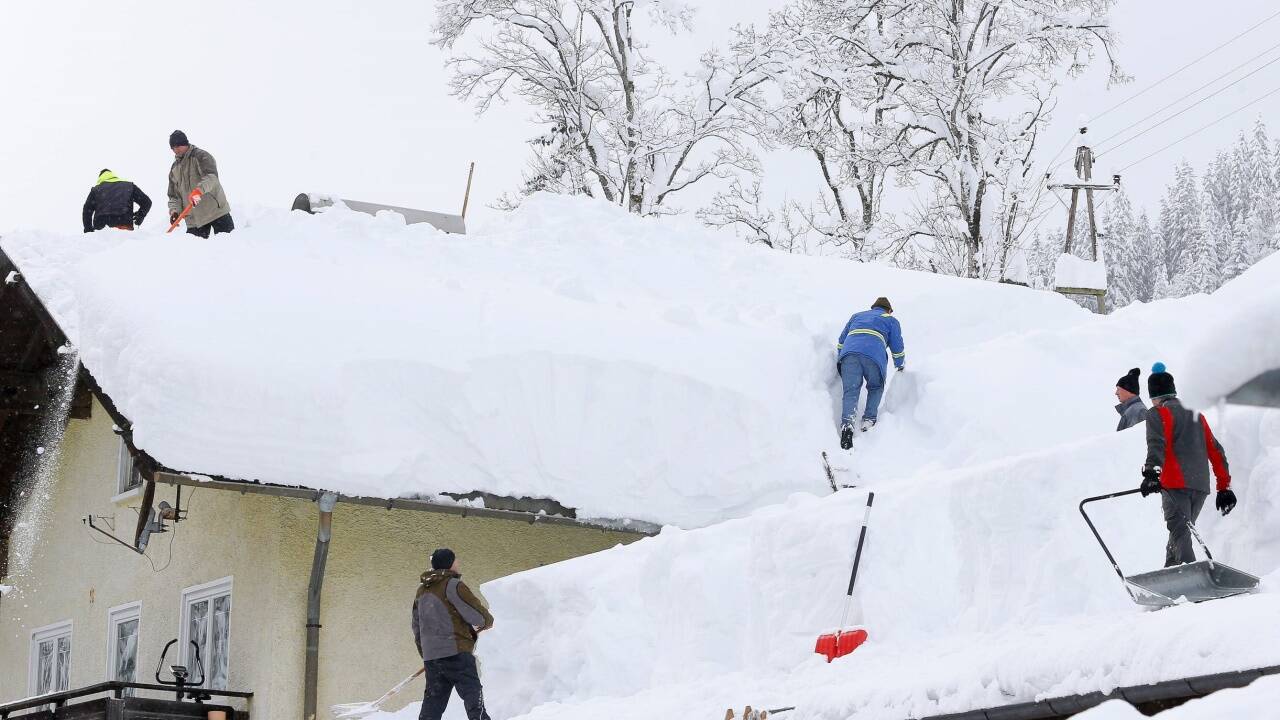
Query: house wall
{"type": "Point", "coordinates": [265, 544]}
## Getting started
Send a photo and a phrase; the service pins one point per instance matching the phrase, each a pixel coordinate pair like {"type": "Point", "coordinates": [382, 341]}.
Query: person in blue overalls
{"type": "Point", "coordinates": [862, 353]}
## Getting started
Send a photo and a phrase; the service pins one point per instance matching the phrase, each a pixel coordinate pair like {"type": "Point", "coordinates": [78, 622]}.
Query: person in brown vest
{"type": "Point", "coordinates": [447, 620]}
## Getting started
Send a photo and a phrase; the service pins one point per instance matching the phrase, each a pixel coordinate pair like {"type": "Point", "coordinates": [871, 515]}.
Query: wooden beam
{"type": "Point", "coordinates": [1084, 186]}
{"type": "Point", "coordinates": [1071, 222]}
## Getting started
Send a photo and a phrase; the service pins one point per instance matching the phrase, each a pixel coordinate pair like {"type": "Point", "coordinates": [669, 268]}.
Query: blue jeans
{"type": "Point", "coordinates": [855, 368]}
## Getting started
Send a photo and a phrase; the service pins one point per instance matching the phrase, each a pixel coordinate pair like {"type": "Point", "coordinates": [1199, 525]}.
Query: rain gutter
{"type": "Point", "coordinates": [1162, 694]}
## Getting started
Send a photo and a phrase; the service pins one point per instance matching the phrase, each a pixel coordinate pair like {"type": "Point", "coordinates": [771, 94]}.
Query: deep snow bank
{"type": "Point", "coordinates": [627, 367]}
{"type": "Point", "coordinates": [981, 585]}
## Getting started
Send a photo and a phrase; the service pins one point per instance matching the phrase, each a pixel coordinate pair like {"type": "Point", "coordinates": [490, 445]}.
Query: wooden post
{"type": "Point", "coordinates": [1093, 224]}
{"type": "Point", "coordinates": [1071, 220]}
{"type": "Point", "coordinates": [466, 198]}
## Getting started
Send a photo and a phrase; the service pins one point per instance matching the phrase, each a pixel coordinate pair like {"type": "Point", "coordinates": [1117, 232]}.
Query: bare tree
{"type": "Point", "coordinates": [621, 128]}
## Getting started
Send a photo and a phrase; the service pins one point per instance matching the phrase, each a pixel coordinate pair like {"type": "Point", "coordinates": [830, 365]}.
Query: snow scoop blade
{"type": "Point", "coordinates": [840, 643]}
{"type": "Point", "coordinates": [1197, 582]}
{"type": "Point", "coordinates": [357, 711]}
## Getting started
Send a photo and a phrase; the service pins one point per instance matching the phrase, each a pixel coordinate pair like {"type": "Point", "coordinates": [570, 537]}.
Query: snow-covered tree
{"type": "Point", "coordinates": [1180, 219]}
{"type": "Point", "coordinates": [1201, 269]}
{"type": "Point", "coordinates": [1119, 249]}
{"type": "Point", "coordinates": [970, 88]}
{"type": "Point", "coordinates": [620, 128]}
{"type": "Point", "coordinates": [1149, 278]}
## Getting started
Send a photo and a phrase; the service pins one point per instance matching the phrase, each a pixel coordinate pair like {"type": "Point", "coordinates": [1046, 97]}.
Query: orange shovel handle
{"type": "Point", "coordinates": [182, 215]}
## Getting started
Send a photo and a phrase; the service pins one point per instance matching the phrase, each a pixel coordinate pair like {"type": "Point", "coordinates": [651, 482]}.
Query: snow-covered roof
{"type": "Point", "coordinates": [1237, 348]}
{"type": "Point", "coordinates": [628, 368]}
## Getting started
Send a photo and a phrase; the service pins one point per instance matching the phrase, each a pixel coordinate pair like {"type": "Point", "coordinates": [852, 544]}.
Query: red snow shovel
{"type": "Point", "coordinates": [842, 642]}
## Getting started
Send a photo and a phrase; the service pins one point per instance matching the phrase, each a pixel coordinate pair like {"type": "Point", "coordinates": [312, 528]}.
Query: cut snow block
{"type": "Point", "coordinates": [1078, 273]}
{"type": "Point", "coordinates": [839, 644]}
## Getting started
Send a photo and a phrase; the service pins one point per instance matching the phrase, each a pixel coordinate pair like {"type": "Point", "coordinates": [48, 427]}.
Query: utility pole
{"type": "Point", "coordinates": [1084, 173]}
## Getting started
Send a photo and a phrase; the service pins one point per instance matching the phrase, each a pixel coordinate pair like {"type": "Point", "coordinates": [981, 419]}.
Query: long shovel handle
{"type": "Point", "coordinates": [181, 216]}
{"type": "Point", "coordinates": [862, 538]}
{"type": "Point", "coordinates": [1114, 565]}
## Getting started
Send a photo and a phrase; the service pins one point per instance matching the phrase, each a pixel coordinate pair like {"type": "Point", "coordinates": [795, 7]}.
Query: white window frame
{"type": "Point", "coordinates": [115, 617]}
{"type": "Point", "coordinates": [126, 474]}
{"type": "Point", "coordinates": [208, 591]}
{"type": "Point", "coordinates": [41, 634]}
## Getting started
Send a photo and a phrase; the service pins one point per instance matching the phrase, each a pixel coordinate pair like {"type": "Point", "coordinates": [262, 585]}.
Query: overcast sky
{"type": "Point", "coordinates": [349, 97]}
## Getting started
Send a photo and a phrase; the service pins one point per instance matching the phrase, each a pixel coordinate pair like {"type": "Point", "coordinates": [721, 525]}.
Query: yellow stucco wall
{"type": "Point", "coordinates": [266, 545]}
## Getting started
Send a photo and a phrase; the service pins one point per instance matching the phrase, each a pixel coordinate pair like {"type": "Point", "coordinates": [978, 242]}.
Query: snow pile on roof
{"type": "Point", "coordinates": [1074, 272]}
{"type": "Point", "coordinates": [1244, 342]}
{"type": "Point", "coordinates": [980, 584]}
{"type": "Point", "coordinates": [626, 367]}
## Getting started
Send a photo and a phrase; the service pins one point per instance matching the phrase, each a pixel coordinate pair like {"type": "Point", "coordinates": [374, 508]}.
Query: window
{"type": "Point", "coordinates": [206, 621]}
{"type": "Point", "coordinates": [123, 625]}
{"type": "Point", "coordinates": [50, 669]}
{"type": "Point", "coordinates": [127, 476]}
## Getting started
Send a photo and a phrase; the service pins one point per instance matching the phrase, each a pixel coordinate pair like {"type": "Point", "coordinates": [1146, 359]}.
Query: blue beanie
{"type": "Point", "coordinates": [1160, 382]}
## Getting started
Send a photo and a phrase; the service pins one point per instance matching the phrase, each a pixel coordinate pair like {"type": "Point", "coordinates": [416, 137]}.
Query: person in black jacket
{"type": "Point", "coordinates": [110, 204]}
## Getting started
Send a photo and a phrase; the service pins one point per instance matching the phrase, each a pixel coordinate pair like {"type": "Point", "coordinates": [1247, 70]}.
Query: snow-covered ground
{"type": "Point", "coordinates": [645, 369]}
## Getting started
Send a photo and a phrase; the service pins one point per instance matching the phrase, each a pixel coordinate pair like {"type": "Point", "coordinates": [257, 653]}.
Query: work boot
{"type": "Point", "coordinates": [868, 423]}
{"type": "Point", "coordinates": [846, 437]}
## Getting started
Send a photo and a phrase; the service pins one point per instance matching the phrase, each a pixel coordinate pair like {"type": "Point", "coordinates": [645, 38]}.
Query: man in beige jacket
{"type": "Point", "coordinates": [193, 181]}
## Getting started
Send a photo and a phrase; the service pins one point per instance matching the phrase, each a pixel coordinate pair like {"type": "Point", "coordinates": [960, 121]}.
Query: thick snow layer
{"type": "Point", "coordinates": [980, 585]}
{"type": "Point", "coordinates": [1245, 340]}
{"type": "Point", "coordinates": [626, 367]}
{"type": "Point", "coordinates": [1073, 272]}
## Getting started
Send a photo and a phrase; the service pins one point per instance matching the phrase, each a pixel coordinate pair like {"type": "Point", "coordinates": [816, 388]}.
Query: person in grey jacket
{"type": "Point", "coordinates": [447, 619]}
{"type": "Point", "coordinates": [1132, 410]}
{"type": "Point", "coordinates": [1181, 449]}
{"type": "Point", "coordinates": [193, 181]}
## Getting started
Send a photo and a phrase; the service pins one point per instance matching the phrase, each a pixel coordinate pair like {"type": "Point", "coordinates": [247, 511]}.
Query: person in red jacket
{"type": "Point", "coordinates": [1181, 449]}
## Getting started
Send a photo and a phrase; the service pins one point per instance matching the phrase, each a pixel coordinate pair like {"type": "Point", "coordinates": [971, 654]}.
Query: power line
{"type": "Point", "coordinates": [1123, 130]}
{"type": "Point", "coordinates": [1161, 81]}
{"type": "Point", "coordinates": [1188, 108]}
{"type": "Point", "coordinates": [1200, 130]}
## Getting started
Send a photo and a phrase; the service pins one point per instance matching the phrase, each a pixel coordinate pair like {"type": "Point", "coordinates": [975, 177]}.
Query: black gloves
{"type": "Point", "coordinates": [901, 368]}
{"type": "Point", "coordinates": [173, 217]}
{"type": "Point", "coordinates": [1150, 481]}
{"type": "Point", "coordinates": [138, 218]}
{"type": "Point", "coordinates": [1226, 501]}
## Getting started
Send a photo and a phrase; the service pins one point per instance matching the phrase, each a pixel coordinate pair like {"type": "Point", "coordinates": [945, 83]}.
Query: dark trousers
{"type": "Point", "coordinates": [443, 677]}
{"type": "Point", "coordinates": [1180, 507]}
{"type": "Point", "coordinates": [223, 224]}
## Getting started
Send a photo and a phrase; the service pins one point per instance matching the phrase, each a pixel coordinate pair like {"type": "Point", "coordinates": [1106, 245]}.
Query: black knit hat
{"type": "Point", "coordinates": [1130, 381]}
{"type": "Point", "coordinates": [177, 138]}
{"type": "Point", "coordinates": [883, 304]}
{"type": "Point", "coordinates": [1160, 382]}
{"type": "Point", "coordinates": [442, 559]}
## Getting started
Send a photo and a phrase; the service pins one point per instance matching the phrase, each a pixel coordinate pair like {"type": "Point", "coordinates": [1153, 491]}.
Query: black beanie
{"type": "Point", "coordinates": [883, 304]}
{"type": "Point", "coordinates": [177, 138]}
{"type": "Point", "coordinates": [442, 559]}
{"type": "Point", "coordinates": [1160, 382]}
{"type": "Point", "coordinates": [1130, 381]}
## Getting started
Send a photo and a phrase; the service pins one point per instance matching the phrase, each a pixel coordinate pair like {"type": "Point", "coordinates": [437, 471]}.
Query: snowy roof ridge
{"type": "Point", "coordinates": [525, 509]}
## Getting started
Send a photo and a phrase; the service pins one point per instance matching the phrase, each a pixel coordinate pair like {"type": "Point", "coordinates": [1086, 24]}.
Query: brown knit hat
{"type": "Point", "coordinates": [883, 304]}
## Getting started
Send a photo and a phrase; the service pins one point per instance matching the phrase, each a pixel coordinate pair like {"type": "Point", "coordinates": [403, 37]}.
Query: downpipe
{"type": "Point", "coordinates": [324, 532]}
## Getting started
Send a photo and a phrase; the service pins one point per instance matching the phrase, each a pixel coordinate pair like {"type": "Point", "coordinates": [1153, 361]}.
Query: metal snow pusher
{"type": "Point", "coordinates": [1203, 580]}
